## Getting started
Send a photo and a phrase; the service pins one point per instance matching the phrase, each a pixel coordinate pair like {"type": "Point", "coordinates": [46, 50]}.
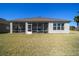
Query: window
{"type": "Point", "coordinates": [62, 26]}
{"type": "Point", "coordinates": [54, 26]}
{"type": "Point", "coordinates": [58, 26]}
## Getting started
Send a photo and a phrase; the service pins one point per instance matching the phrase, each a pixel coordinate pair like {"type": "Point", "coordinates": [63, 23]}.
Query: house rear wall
{"type": "Point", "coordinates": [66, 28]}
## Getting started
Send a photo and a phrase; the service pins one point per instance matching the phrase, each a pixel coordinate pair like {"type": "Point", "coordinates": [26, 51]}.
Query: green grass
{"type": "Point", "coordinates": [39, 44]}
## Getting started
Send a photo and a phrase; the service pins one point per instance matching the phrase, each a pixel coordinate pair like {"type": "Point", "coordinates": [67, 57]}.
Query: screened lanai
{"type": "Point", "coordinates": [34, 27]}
{"type": "Point", "coordinates": [38, 27]}
{"type": "Point", "coordinates": [18, 27]}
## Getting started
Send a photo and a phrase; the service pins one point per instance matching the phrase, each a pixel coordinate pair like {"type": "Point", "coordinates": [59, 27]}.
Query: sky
{"type": "Point", "coordinates": [11, 11]}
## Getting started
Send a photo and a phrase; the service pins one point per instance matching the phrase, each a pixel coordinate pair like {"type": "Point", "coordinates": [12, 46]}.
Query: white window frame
{"type": "Point", "coordinates": [58, 26]}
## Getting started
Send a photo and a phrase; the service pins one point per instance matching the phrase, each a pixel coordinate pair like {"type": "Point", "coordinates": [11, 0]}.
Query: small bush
{"type": "Point", "coordinates": [72, 28]}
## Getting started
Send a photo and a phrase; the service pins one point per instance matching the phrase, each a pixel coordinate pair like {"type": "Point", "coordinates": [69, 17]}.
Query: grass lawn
{"type": "Point", "coordinates": [39, 44]}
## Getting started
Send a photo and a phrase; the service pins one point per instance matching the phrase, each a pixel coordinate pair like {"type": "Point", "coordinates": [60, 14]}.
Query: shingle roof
{"type": "Point", "coordinates": [40, 20]}
{"type": "Point", "coordinates": [3, 21]}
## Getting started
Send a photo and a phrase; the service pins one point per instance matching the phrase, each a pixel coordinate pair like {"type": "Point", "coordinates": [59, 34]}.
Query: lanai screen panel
{"type": "Point", "coordinates": [39, 27]}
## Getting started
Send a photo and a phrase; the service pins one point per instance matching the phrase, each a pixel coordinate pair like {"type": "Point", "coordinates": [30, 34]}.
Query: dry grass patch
{"type": "Point", "coordinates": [39, 44]}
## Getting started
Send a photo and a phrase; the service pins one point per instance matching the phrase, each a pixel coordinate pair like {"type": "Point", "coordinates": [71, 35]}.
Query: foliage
{"type": "Point", "coordinates": [76, 18]}
{"type": "Point", "coordinates": [72, 28]}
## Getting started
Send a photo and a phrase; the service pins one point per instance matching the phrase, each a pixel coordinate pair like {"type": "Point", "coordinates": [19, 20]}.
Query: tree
{"type": "Point", "coordinates": [72, 28]}
{"type": "Point", "coordinates": [76, 19]}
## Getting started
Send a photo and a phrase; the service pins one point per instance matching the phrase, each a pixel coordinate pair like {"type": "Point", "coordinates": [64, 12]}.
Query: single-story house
{"type": "Point", "coordinates": [4, 26]}
{"type": "Point", "coordinates": [39, 25]}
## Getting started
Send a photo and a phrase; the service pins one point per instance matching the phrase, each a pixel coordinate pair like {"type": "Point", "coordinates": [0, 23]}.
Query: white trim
{"type": "Point", "coordinates": [26, 27]}
{"type": "Point", "coordinates": [43, 28]}
{"type": "Point", "coordinates": [11, 27]}
{"type": "Point", "coordinates": [28, 32]}
{"type": "Point", "coordinates": [37, 27]}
